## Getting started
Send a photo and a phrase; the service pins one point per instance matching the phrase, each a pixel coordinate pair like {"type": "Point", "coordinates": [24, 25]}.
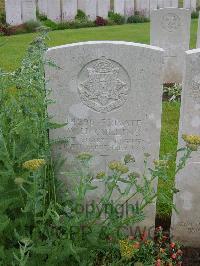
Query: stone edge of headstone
{"type": "Point", "coordinates": [156, 48]}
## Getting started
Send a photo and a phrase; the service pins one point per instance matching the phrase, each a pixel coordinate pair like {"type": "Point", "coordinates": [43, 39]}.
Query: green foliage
{"type": "Point", "coordinates": [195, 14]}
{"type": "Point", "coordinates": [32, 25]}
{"type": "Point", "coordinates": [81, 15]}
{"type": "Point", "coordinates": [41, 17]}
{"type": "Point", "coordinates": [2, 17]}
{"type": "Point", "coordinates": [137, 19]}
{"type": "Point", "coordinates": [173, 92]}
{"type": "Point", "coordinates": [116, 18]}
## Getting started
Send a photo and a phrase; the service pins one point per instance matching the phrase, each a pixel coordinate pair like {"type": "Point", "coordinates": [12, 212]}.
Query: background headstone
{"type": "Point", "coordinates": [110, 94]}
{"type": "Point", "coordinates": [193, 5]}
{"type": "Point", "coordinates": [69, 9]}
{"type": "Point", "coordinates": [28, 10]}
{"type": "Point", "coordinates": [42, 7]}
{"type": "Point", "coordinates": [190, 4]}
{"type": "Point", "coordinates": [185, 226]}
{"type": "Point", "coordinates": [103, 7]}
{"type": "Point", "coordinates": [160, 3]}
{"type": "Point", "coordinates": [144, 7]}
{"type": "Point", "coordinates": [175, 3]}
{"type": "Point", "coordinates": [89, 7]}
{"type": "Point", "coordinates": [153, 5]}
{"type": "Point", "coordinates": [170, 29]}
{"type": "Point", "coordinates": [54, 10]}
{"type": "Point", "coordinates": [119, 6]}
{"type": "Point", "coordinates": [13, 12]}
{"type": "Point", "coordinates": [129, 8]}
{"type": "Point", "coordinates": [167, 3]}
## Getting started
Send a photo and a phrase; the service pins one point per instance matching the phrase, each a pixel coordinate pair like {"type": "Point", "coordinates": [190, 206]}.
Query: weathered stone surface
{"type": "Point", "coordinates": [193, 5]}
{"type": "Point", "coordinates": [171, 3]}
{"type": "Point", "coordinates": [167, 3]}
{"type": "Point", "coordinates": [186, 224]}
{"type": "Point", "coordinates": [110, 95]}
{"type": "Point", "coordinates": [160, 3]}
{"type": "Point", "coordinates": [175, 3]}
{"type": "Point", "coordinates": [153, 5]}
{"type": "Point", "coordinates": [144, 7]}
{"type": "Point", "coordinates": [129, 8]}
{"type": "Point", "coordinates": [28, 10]}
{"type": "Point", "coordinates": [190, 4]}
{"type": "Point", "coordinates": [42, 6]}
{"type": "Point", "coordinates": [170, 29]}
{"type": "Point", "coordinates": [89, 7]}
{"type": "Point", "coordinates": [69, 9]}
{"type": "Point", "coordinates": [187, 4]}
{"type": "Point", "coordinates": [54, 10]}
{"type": "Point", "coordinates": [119, 7]}
{"type": "Point", "coordinates": [13, 12]}
{"type": "Point", "coordinates": [103, 7]}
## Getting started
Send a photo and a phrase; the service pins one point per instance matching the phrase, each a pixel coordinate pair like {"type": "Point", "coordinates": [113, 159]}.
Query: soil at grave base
{"type": "Point", "coordinates": [191, 256]}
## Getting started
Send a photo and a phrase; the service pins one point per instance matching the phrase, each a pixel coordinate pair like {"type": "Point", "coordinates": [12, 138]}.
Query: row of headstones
{"type": "Point", "coordinates": [21, 11]}
{"type": "Point", "coordinates": [170, 30]}
{"type": "Point", "coordinates": [110, 95]}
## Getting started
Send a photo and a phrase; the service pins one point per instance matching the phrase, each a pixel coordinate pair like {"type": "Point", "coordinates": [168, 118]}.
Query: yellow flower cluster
{"type": "Point", "coordinates": [12, 90]}
{"type": "Point", "coordinates": [100, 175]}
{"type": "Point", "coordinates": [160, 162]}
{"type": "Point", "coordinates": [118, 166]}
{"type": "Point", "coordinates": [34, 164]}
{"type": "Point", "coordinates": [192, 139]}
{"type": "Point", "coordinates": [126, 249]}
{"type": "Point", "coordinates": [84, 156]}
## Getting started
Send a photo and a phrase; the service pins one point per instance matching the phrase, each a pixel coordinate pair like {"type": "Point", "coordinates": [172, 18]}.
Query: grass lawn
{"type": "Point", "coordinates": [13, 48]}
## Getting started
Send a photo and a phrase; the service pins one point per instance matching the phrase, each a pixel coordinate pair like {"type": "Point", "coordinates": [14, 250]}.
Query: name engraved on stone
{"type": "Point", "coordinates": [171, 22]}
{"type": "Point", "coordinates": [196, 89]}
{"type": "Point", "coordinates": [104, 134]}
{"type": "Point", "coordinates": [189, 226]}
{"type": "Point", "coordinates": [103, 85]}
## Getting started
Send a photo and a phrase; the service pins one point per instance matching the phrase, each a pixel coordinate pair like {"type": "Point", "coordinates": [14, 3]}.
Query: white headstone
{"type": "Point", "coordinates": [110, 94]}
{"type": "Point", "coordinates": [42, 7]}
{"type": "Point", "coordinates": [129, 8]}
{"type": "Point", "coordinates": [144, 7]}
{"type": "Point", "coordinates": [13, 12]}
{"type": "Point", "coordinates": [28, 10]}
{"type": "Point", "coordinates": [170, 29]}
{"type": "Point", "coordinates": [193, 5]}
{"type": "Point", "coordinates": [69, 9]}
{"type": "Point", "coordinates": [167, 3]}
{"type": "Point", "coordinates": [190, 4]}
{"type": "Point", "coordinates": [89, 7]}
{"type": "Point", "coordinates": [103, 7]}
{"type": "Point", "coordinates": [187, 4]}
{"type": "Point", "coordinates": [185, 226]}
{"type": "Point", "coordinates": [160, 3]}
{"type": "Point", "coordinates": [175, 3]}
{"type": "Point", "coordinates": [54, 10]}
{"type": "Point", "coordinates": [153, 5]}
{"type": "Point", "coordinates": [119, 7]}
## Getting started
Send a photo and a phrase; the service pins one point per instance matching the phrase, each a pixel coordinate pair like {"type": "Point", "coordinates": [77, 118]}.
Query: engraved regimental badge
{"type": "Point", "coordinates": [171, 22]}
{"type": "Point", "coordinates": [103, 85]}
